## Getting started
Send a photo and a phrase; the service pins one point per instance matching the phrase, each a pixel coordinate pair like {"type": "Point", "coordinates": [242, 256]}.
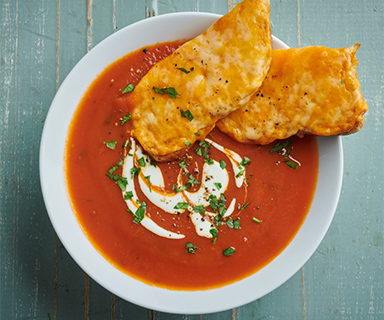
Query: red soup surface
{"type": "Point", "coordinates": [279, 196]}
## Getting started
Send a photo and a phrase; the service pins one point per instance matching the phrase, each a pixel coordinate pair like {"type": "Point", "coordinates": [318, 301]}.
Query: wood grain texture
{"type": "Point", "coordinates": [26, 89]}
{"type": "Point", "coordinates": [349, 263]}
{"type": "Point", "coordinates": [41, 41]}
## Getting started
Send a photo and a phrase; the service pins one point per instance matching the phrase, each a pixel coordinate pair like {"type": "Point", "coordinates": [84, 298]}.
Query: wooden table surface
{"type": "Point", "coordinates": [41, 41]}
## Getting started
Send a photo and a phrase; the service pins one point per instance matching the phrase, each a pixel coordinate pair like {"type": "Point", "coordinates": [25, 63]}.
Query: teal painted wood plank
{"type": "Point", "coordinates": [27, 43]}
{"type": "Point", "coordinates": [8, 225]}
{"type": "Point", "coordinates": [344, 279]}
{"type": "Point", "coordinates": [101, 21]}
{"type": "Point", "coordinates": [70, 291]}
{"type": "Point", "coordinates": [218, 6]}
{"type": "Point", "coordinates": [168, 6]}
{"type": "Point", "coordinates": [128, 12]}
{"type": "Point", "coordinates": [286, 302]}
{"type": "Point", "coordinates": [168, 316]}
{"type": "Point", "coordinates": [284, 23]}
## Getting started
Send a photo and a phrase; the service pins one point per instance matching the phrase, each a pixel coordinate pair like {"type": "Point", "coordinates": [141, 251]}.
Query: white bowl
{"type": "Point", "coordinates": [160, 29]}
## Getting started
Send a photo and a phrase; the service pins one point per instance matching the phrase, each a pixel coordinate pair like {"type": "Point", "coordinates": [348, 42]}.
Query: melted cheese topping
{"type": "Point", "coordinates": [311, 90]}
{"type": "Point", "coordinates": [226, 64]}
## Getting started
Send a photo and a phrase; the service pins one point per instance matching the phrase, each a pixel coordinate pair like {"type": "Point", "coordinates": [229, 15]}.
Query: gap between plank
{"type": "Point", "coordinates": [55, 280]}
{"type": "Point", "coordinates": [57, 44]}
{"type": "Point", "coordinates": [303, 276]}
{"type": "Point", "coordinates": [86, 297]}
{"type": "Point", "coordinates": [89, 18]}
{"type": "Point", "coordinates": [14, 195]}
{"type": "Point", "coordinates": [149, 9]}
{"type": "Point", "coordinates": [112, 306]}
{"type": "Point", "coordinates": [114, 15]}
{"type": "Point", "coordinates": [56, 240]}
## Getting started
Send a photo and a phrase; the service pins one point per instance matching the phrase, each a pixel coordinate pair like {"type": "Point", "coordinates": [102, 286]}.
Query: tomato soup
{"type": "Point", "coordinates": [256, 207]}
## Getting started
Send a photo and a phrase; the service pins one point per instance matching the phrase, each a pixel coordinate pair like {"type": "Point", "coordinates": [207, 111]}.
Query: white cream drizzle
{"type": "Point", "coordinates": [154, 190]}
{"type": "Point", "coordinates": [235, 161]}
{"type": "Point", "coordinates": [132, 204]}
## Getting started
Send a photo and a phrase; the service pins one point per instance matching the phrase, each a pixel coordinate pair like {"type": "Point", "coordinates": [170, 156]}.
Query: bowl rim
{"type": "Point", "coordinates": [57, 202]}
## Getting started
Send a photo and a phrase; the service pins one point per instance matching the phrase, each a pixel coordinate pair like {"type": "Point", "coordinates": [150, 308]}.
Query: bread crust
{"type": "Point", "coordinates": [311, 90]}
{"type": "Point", "coordinates": [223, 68]}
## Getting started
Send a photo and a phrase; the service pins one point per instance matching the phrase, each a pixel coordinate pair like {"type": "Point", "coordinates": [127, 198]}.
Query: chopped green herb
{"type": "Point", "coordinates": [229, 223]}
{"type": "Point", "coordinates": [213, 202]}
{"type": "Point", "coordinates": [187, 143]}
{"type": "Point", "coordinates": [245, 205]}
{"type": "Point", "coordinates": [122, 183]}
{"type": "Point", "coordinates": [135, 172]}
{"type": "Point", "coordinates": [240, 173]}
{"type": "Point", "coordinates": [181, 205]}
{"type": "Point", "coordinates": [187, 114]}
{"type": "Point", "coordinates": [140, 213]}
{"type": "Point", "coordinates": [182, 188]}
{"type": "Point", "coordinates": [209, 161]}
{"type": "Point", "coordinates": [256, 220]}
{"type": "Point", "coordinates": [157, 90]}
{"type": "Point", "coordinates": [213, 232]}
{"type": "Point", "coordinates": [218, 185]}
{"type": "Point", "coordinates": [141, 162]}
{"type": "Point", "coordinates": [152, 162]}
{"type": "Point", "coordinates": [111, 144]}
{"type": "Point", "coordinates": [128, 88]}
{"type": "Point", "coordinates": [192, 180]}
{"type": "Point", "coordinates": [205, 145]}
{"type": "Point", "coordinates": [126, 143]}
{"type": "Point", "coordinates": [198, 151]}
{"type": "Point", "coordinates": [182, 164]}
{"type": "Point", "coordinates": [184, 70]}
{"type": "Point", "coordinates": [149, 182]}
{"type": "Point", "coordinates": [245, 161]}
{"type": "Point", "coordinates": [279, 146]}
{"type": "Point", "coordinates": [113, 176]}
{"type": "Point", "coordinates": [190, 247]}
{"type": "Point", "coordinates": [222, 164]}
{"type": "Point", "coordinates": [126, 118]}
{"type": "Point", "coordinates": [172, 93]}
{"type": "Point", "coordinates": [197, 134]}
{"type": "Point", "coordinates": [222, 210]}
{"type": "Point", "coordinates": [291, 164]}
{"type": "Point", "coordinates": [198, 209]}
{"type": "Point", "coordinates": [113, 169]}
{"type": "Point", "coordinates": [236, 224]}
{"type": "Point", "coordinates": [229, 251]}
{"type": "Point", "coordinates": [220, 205]}
{"type": "Point", "coordinates": [342, 82]}
{"type": "Point", "coordinates": [128, 195]}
